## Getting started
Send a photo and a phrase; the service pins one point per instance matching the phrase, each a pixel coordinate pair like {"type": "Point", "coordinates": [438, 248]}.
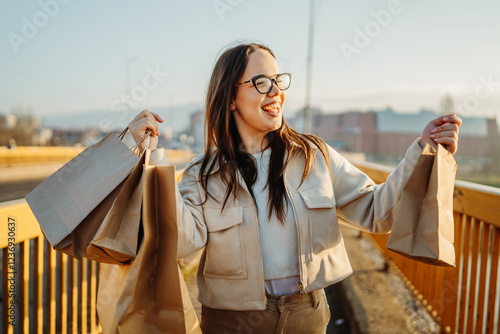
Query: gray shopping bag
{"type": "Point", "coordinates": [117, 239]}
{"type": "Point", "coordinates": [71, 204]}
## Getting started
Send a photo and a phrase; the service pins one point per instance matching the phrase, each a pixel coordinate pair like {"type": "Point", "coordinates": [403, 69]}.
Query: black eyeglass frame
{"type": "Point", "coordinates": [273, 82]}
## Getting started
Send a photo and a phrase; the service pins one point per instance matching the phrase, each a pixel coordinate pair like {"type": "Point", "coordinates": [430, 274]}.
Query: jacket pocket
{"type": "Point", "coordinates": [322, 217]}
{"type": "Point", "coordinates": [225, 250]}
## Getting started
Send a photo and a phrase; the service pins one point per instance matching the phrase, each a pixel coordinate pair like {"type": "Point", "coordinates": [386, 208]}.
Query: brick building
{"type": "Point", "coordinates": [385, 133]}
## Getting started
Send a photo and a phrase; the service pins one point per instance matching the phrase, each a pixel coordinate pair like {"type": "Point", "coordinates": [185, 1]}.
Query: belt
{"type": "Point", "coordinates": [280, 303]}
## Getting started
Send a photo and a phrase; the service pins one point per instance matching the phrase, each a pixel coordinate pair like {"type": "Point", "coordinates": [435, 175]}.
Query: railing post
{"type": "Point", "coordinates": [73, 286]}
{"type": "Point", "coordinates": [83, 294]}
{"type": "Point", "coordinates": [50, 286]}
{"type": "Point", "coordinates": [450, 293]}
{"type": "Point", "coordinates": [464, 276]}
{"type": "Point", "coordinates": [38, 285]}
{"type": "Point", "coordinates": [476, 237]}
{"type": "Point", "coordinates": [94, 274]}
{"type": "Point", "coordinates": [24, 273]}
{"type": "Point", "coordinates": [492, 289]}
{"type": "Point", "coordinates": [485, 251]}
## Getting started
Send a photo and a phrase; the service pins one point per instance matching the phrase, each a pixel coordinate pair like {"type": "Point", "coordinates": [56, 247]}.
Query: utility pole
{"type": "Point", "coordinates": [307, 113]}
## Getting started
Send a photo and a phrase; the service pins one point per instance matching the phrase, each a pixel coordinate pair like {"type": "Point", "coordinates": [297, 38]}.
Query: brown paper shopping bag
{"type": "Point", "coordinates": [149, 295]}
{"type": "Point", "coordinates": [423, 228]}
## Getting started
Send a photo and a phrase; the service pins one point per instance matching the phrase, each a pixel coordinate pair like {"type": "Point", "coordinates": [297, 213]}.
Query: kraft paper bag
{"type": "Point", "coordinates": [149, 294]}
{"type": "Point", "coordinates": [116, 241]}
{"type": "Point", "coordinates": [423, 228]}
{"type": "Point", "coordinates": [112, 282]}
{"type": "Point", "coordinates": [71, 204]}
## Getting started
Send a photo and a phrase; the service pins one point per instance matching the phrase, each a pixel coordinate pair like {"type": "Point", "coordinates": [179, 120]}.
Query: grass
{"type": "Point", "coordinates": [491, 180]}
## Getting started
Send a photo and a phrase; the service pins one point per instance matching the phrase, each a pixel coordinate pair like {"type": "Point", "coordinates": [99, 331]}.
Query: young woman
{"type": "Point", "coordinates": [265, 202]}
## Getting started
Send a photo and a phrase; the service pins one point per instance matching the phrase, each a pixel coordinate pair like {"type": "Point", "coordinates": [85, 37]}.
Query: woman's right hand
{"type": "Point", "coordinates": [143, 121]}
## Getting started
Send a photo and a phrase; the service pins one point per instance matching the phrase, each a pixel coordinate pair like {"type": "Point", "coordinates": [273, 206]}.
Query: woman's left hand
{"type": "Point", "coordinates": [442, 130]}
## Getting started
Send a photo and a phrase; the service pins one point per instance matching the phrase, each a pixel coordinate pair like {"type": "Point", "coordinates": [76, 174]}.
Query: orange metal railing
{"type": "Point", "coordinates": [43, 291]}
{"type": "Point", "coordinates": [464, 299]}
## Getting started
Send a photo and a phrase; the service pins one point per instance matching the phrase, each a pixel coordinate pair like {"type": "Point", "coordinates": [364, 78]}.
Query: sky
{"type": "Point", "coordinates": [69, 56]}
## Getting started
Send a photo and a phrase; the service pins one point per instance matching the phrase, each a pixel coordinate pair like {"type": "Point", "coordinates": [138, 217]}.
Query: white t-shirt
{"type": "Point", "coordinates": [278, 241]}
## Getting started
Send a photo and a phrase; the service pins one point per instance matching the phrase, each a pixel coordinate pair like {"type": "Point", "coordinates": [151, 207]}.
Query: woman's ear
{"type": "Point", "coordinates": [233, 106]}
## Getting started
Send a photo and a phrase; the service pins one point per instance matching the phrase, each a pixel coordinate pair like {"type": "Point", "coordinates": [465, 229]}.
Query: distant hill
{"type": "Point", "coordinates": [177, 117]}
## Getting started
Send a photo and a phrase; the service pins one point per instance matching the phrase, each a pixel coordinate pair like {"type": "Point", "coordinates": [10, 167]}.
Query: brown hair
{"type": "Point", "coordinates": [223, 143]}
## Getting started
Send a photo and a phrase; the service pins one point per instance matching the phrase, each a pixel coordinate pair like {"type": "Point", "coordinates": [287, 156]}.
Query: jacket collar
{"type": "Point", "coordinates": [293, 174]}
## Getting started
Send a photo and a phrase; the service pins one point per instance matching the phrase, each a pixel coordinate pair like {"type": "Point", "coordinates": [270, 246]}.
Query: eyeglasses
{"type": "Point", "coordinates": [264, 84]}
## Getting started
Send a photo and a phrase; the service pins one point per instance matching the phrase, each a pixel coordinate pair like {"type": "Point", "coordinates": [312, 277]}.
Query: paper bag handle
{"type": "Point", "coordinates": [135, 148]}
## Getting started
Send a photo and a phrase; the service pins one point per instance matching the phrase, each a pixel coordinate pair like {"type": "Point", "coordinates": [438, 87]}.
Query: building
{"type": "Point", "coordinates": [386, 134]}
{"type": "Point", "coordinates": [24, 129]}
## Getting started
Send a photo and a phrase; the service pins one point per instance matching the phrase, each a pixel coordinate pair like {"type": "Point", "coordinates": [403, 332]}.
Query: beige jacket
{"type": "Point", "coordinates": [230, 274]}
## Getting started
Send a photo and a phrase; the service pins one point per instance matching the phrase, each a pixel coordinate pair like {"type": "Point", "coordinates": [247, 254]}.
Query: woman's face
{"type": "Point", "coordinates": [257, 114]}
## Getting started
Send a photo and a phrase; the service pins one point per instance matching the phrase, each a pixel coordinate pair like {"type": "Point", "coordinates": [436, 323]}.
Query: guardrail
{"type": "Point", "coordinates": [464, 299]}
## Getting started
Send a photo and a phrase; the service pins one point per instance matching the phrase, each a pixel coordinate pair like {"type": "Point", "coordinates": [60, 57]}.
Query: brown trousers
{"type": "Point", "coordinates": [283, 314]}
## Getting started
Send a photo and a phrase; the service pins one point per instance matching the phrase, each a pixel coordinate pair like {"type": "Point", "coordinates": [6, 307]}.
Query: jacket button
{"type": "Point", "coordinates": [282, 302]}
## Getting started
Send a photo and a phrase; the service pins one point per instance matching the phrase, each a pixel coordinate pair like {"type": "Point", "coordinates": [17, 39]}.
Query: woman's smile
{"type": "Point", "coordinates": [272, 109]}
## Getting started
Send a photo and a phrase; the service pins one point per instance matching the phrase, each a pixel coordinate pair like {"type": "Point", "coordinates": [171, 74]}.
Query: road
{"type": "Point", "coordinates": [19, 189]}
